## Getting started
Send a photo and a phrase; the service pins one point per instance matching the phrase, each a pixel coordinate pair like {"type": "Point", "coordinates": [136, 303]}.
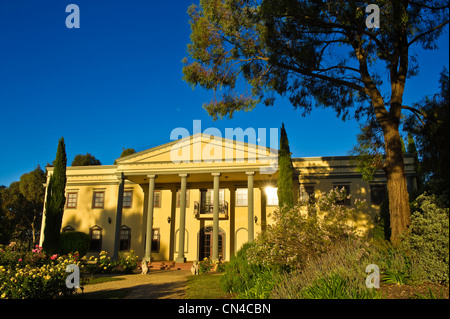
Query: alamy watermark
{"type": "Point", "coordinates": [373, 279]}
{"type": "Point", "coordinates": [73, 280]}
{"type": "Point", "coordinates": [373, 19]}
{"type": "Point", "coordinates": [73, 19]}
{"type": "Point", "coordinates": [208, 146]}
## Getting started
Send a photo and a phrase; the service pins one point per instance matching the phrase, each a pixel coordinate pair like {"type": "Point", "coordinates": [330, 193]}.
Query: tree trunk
{"type": "Point", "coordinates": [396, 183]}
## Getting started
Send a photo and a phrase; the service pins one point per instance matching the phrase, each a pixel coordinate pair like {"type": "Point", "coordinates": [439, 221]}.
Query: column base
{"type": "Point", "coordinates": [180, 260]}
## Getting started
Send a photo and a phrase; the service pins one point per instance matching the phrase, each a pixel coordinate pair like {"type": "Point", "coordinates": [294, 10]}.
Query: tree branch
{"type": "Point", "coordinates": [427, 32]}
{"type": "Point", "coordinates": [323, 77]}
{"type": "Point", "coordinates": [420, 114]}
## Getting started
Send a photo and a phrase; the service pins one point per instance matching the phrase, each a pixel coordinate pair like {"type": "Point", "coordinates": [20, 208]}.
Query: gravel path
{"type": "Point", "coordinates": [159, 284]}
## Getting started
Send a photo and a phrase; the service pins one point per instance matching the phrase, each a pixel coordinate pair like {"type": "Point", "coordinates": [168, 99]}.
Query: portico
{"type": "Point", "coordinates": [200, 198]}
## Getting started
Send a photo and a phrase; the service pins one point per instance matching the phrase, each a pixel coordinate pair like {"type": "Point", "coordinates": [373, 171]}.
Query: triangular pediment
{"type": "Point", "coordinates": [201, 148]}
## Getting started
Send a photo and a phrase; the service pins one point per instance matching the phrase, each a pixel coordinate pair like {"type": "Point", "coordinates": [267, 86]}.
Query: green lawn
{"type": "Point", "coordinates": [205, 286]}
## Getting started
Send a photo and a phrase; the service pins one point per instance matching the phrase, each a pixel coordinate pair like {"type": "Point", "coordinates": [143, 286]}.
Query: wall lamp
{"type": "Point", "coordinates": [169, 219]}
{"type": "Point", "coordinates": [256, 219]}
{"type": "Point", "coordinates": [109, 220]}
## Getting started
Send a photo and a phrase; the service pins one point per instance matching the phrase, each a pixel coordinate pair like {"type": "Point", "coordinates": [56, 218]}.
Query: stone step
{"type": "Point", "coordinates": [170, 265]}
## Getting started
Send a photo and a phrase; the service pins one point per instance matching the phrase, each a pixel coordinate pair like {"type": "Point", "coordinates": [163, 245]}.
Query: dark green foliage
{"type": "Point", "coordinates": [393, 277]}
{"type": "Point", "coordinates": [382, 229]}
{"type": "Point", "coordinates": [239, 274]}
{"type": "Point", "coordinates": [412, 149]}
{"type": "Point", "coordinates": [285, 191]}
{"type": "Point", "coordinates": [56, 199]}
{"type": "Point", "coordinates": [431, 132]}
{"type": "Point", "coordinates": [127, 152]}
{"type": "Point", "coordinates": [335, 287]}
{"type": "Point", "coordinates": [21, 209]}
{"type": "Point", "coordinates": [369, 150]}
{"type": "Point", "coordinates": [70, 242]}
{"type": "Point", "coordinates": [317, 53]}
{"type": "Point", "coordinates": [85, 160]}
{"type": "Point", "coordinates": [427, 240]}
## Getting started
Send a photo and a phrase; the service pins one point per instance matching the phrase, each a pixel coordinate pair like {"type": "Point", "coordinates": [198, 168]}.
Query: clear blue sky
{"type": "Point", "coordinates": [117, 83]}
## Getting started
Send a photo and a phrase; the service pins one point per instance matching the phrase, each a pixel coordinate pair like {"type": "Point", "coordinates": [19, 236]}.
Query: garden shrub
{"type": "Point", "coordinates": [261, 285]}
{"type": "Point", "coordinates": [298, 235]}
{"type": "Point", "coordinates": [129, 263]}
{"type": "Point", "coordinates": [74, 241]}
{"type": "Point", "coordinates": [335, 287]}
{"type": "Point", "coordinates": [239, 274]}
{"type": "Point", "coordinates": [340, 272]}
{"type": "Point", "coordinates": [207, 264]}
{"type": "Point", "coordinates": [382, 229]}
{"type": "Point", "coordinates": [104, 264]}
{"type": "Point", "coordinates": [427, 239]}
{"type": "Point", "coordinates": [34, 275]}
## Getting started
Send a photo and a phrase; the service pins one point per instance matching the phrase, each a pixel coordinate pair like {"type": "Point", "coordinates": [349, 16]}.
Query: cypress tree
{"type": "Point", "coordinates": [285, 192]}
{"type": "Point", "coordinates": [54, 207]}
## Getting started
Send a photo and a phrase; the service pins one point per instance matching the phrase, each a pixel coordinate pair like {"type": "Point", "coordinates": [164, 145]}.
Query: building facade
{"type": "Point", "coordinates": [199, 197]}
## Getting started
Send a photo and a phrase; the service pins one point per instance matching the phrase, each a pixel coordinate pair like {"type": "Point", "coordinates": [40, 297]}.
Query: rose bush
{"type": "Point", "coordinates": [34, 275]}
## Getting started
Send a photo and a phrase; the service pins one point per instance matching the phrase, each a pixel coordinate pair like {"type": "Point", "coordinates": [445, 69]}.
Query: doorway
{"type": "Point", "coordinates": [205, 248]}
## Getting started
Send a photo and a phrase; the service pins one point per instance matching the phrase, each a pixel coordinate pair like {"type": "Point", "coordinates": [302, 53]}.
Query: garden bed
{"type": "Point", "coordinates": [422, 291]}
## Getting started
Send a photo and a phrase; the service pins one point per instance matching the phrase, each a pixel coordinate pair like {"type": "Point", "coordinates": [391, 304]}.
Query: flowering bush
{"type": "Point", "coordinates": [204, 265]}
{"type": "Point", "coordinates": [301, 233]}
{"type": "Point", "coordinates": [207, 264]}
{"type": "Point", "coordinates": [31, 275]}
{"type": "Point", "coordinates": [129, 263]}
{"type": "Point", "coordinates": [104, 263]}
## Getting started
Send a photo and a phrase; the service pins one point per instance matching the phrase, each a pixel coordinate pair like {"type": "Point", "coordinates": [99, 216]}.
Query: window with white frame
{"type": "Point", "coordinates": [157, 198]}
{"type": "Point", "coordinates": [71, 201]}
{"type": "Point", "coordinates": [241, 197]}
{"type": "Point", "coordinates": [98, 199]}
{"type": "Point", "coordinates": [127, 198]}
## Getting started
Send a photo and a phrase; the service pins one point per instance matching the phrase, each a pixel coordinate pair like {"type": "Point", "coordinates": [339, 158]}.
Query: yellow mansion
{"type": "Point", "coordinates": [200, 196]}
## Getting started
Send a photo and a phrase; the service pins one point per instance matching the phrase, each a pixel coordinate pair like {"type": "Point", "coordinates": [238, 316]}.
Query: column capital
{"type": "Point", "coordinates": [121, 176]}
{"type": "Point", "coordinates": [183, 175]}
{"type": "Point", "coordinates": [250, 173]}
{"type": "Point", "coordinates": [215, 174]}
{"type": "Point", "coordinates": [151, 176]}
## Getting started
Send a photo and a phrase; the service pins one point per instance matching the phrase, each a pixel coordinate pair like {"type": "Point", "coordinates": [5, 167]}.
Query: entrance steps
{"type": "Point", "coordinates": [169, 265]}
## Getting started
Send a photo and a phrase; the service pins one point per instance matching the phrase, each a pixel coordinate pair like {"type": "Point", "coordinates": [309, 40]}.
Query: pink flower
{"type": "Point", "coordinates": [20, 259]}
{"type": "Point", "coordinates": [53, 257]}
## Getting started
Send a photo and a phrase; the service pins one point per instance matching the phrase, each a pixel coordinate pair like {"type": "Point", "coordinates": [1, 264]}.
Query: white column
{"type": "Point", "coordinates": [41, 238]}
{"type": "Point", "coordinates": [215, 255]}
{"type": "Point", "coordinates": [149, 233]}
{"type": "Point", "coordinates": [251, 214]}
{"type": "Point", "coordinates": [182, 230]}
